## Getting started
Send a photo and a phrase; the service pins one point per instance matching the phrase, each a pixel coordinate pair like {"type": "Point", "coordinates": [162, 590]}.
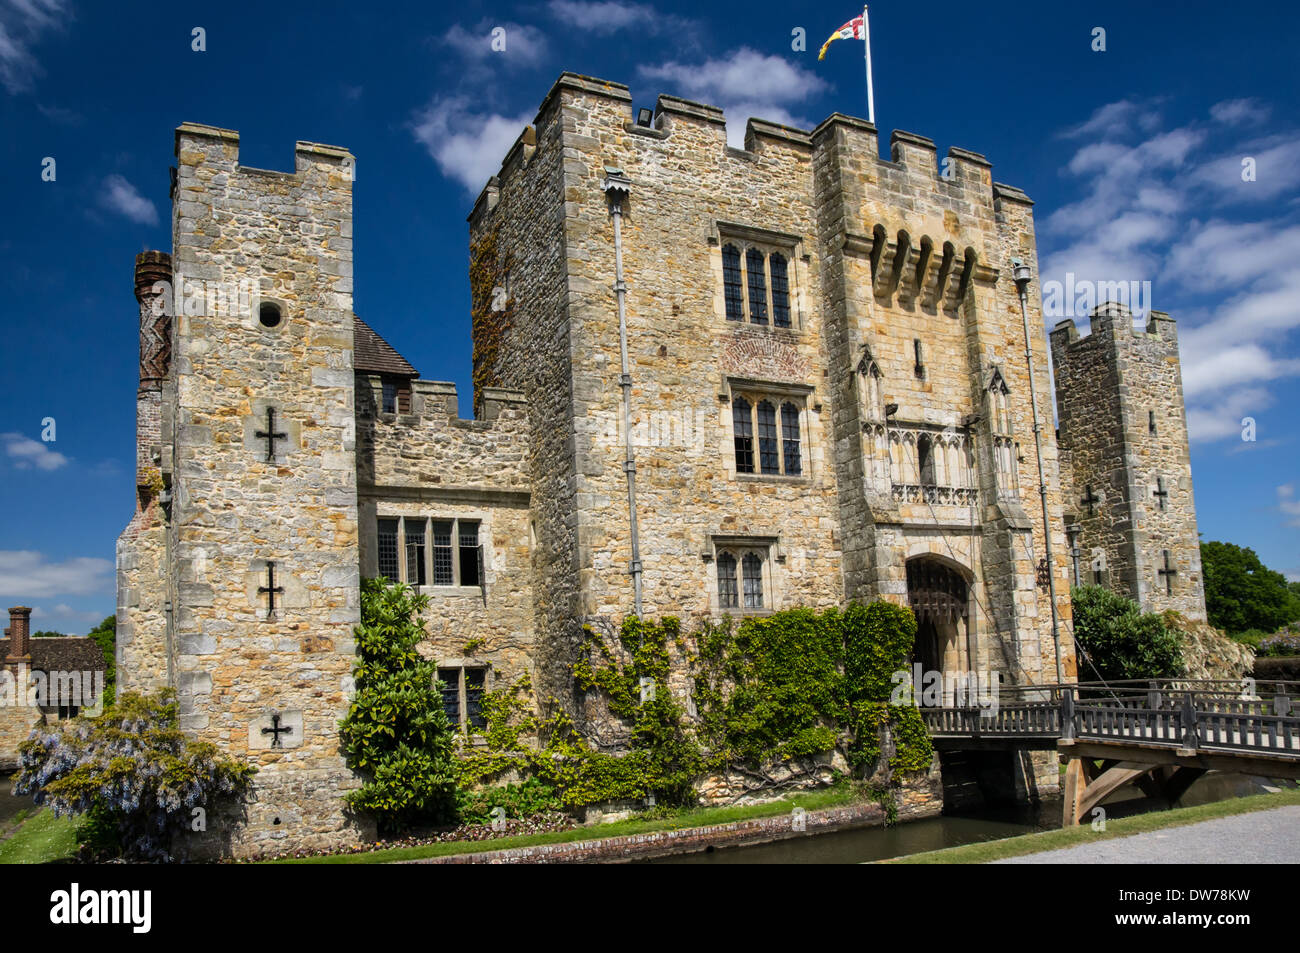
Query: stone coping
{"type": "Point", "coordinates": [759, 830]}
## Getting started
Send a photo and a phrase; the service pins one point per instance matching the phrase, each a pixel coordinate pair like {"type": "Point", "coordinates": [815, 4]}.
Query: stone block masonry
{"type": "Point", "coordinates": [1129, 485]}
{"type": "Point", "coordinates": [829, 396]}
{"type": "Point", "coordinates": [250, 642]}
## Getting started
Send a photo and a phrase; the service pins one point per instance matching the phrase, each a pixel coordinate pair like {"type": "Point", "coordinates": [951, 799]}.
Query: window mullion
{"type": "Point", "coordinates": [455, 553]}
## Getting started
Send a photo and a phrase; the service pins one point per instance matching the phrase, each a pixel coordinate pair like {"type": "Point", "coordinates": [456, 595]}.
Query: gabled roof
{"type": "Point", "coordinates": [372, 354]}
{"type": "Point", "coordinates": [68, 653]}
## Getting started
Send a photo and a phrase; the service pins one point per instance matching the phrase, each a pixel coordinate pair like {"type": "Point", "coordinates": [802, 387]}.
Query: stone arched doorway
{"type": "Point", "coordinates": [938, 595]}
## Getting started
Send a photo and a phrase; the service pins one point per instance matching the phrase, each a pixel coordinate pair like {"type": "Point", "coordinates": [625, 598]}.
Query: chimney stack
{"type": "Point", "coordinates": [153, 289]}
{"type": "Point", "coordinates": [20, 628]}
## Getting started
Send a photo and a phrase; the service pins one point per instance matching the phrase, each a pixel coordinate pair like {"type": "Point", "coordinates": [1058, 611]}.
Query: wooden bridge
{"type": "Point", "coordinates": [1158, 735]}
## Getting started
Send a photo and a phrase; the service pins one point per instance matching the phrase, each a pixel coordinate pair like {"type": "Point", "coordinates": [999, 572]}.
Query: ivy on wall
{"type": "Point", "coordinates": [765, 691]}
{"type": "Point", "coordinates": [490, 307]}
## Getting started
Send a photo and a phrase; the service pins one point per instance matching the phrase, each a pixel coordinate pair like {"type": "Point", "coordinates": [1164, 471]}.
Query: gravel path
{"type": "Point", "coordinates": [1262, 837]}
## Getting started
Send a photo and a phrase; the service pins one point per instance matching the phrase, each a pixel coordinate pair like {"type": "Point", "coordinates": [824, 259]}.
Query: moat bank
{"type": "Point", "coordinates": [988, 823]}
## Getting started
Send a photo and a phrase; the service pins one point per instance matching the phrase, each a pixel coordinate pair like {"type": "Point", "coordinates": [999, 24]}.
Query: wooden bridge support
{"type": "Point", "coordinates": [1088, 782]}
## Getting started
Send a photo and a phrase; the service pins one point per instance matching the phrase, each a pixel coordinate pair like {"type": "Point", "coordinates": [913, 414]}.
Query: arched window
{"type": "Point", "coordinates": [780, 291]}
{"type": "Point", "coordinates": [768, 456]}
{"type": "Point", "coordinates": [744, 427]}
{"type": "Point", "coordinates": [790, 439]}
{"type": "Point", "coordinates": [728, 594]}
{"type": "Point", "coordinates": [731, 283]}
{"type": "Point", "coordinates": [757, 274]}
{"type": "Point", "coordinates": [925, 459]}
{"type": "Point", "coordinates": [752, 571]}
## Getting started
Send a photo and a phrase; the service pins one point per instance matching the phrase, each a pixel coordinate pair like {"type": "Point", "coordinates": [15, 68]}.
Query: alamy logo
{"type": "Point", "coordinates": [35, 689]}
{"type": "Point", "coordinates": [935, 689]}
{"type": "Point", "coordinates": [1077, 297]}
{"type": "Point", "coordinates": [75, 906]}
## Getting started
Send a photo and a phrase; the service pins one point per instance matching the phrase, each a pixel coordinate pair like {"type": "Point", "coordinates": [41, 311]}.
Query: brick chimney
{"type": "Point", "coordinates": [153, 290]}
{"type": "Point", "coordinates": [20, 628]}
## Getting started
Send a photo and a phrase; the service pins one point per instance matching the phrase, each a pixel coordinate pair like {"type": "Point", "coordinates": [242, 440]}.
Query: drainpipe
{"type": "Point", "coordinates": [1021, 274]}
{"type": "Point", "coordinates": [618, 187]}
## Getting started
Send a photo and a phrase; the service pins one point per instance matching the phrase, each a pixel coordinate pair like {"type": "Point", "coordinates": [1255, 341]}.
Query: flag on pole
{"type": "Point", "coordinates": [853, 30]}
{"type": "Point", "coordinates": [859, 28]}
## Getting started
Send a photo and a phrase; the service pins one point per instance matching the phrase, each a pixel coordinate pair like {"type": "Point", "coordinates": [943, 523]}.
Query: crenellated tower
{"type": "Point", "coordinates": [1128, 483]}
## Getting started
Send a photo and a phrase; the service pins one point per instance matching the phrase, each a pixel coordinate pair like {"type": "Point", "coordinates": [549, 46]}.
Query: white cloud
{"type": "Point", "coordinates": [1221, 418]}
{"type": "Point", "coordinates": [119, 195]}
{"type": "Point", "coordinates": [605, 17]}
{"type": "Point", "coordinates": [22, 24]}
{"type": "Point", "coordinates": [63, 613]}
{"type": "Point", "coordinates": [1288, 504]}
{"type": "Point", "coordinates": [467, 146]}
{"type": "Point", "coordinates": [745, 84]}
{"type": "Point", "coordinates": [1142, 188]}
{"type": "Point", "coordinates": [26, 575]}
{"type": "Point", "coordinates": [1275, 170]}
{"type": "Point", "coordinates": [524, 45]}
{"type": "Point", "coordinates": [1115, 119]}
{"type": "Point", "coordinates": [28, 453]}
{"type": "Point", "coordinates": [1233, 111]}
{"type": "Point", "coordinates": [1219, 253]}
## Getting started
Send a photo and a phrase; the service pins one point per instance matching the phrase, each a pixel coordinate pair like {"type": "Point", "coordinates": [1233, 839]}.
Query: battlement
{"type": "Point", "coordinates": [199, 145]}
{"type": "Point", "coordinates": [1111, 323]}
{"type": "Point", "coordinates": [433, 445]}
{"type": "Point", "coordinates": [962, 174]}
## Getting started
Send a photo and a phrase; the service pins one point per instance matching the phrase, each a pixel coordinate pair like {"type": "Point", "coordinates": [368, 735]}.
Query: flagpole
{"type": "Point", "coordinates": [871, 99]}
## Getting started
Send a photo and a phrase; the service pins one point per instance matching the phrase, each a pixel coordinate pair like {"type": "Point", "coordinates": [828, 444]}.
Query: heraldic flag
{"type": "Point", "coordinates": [853, 30]}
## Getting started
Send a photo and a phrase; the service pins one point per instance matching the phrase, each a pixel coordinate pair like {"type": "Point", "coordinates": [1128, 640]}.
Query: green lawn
{"type": "Point", "coordinates": [1121, 827]}
{"type": "Point", "coordinates": [693, 817]}
{"type": "Point", "coordinates": [40, 839]}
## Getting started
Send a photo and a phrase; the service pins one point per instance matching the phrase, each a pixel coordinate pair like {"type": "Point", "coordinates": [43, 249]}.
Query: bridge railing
{"type": "Point", "coordinates": [1247, 715]}
{"type": "Point", "coordinates": [1190, 720]}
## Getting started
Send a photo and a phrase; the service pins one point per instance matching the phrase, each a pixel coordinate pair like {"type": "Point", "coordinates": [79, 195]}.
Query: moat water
{"type": "Point", "coordinates": [866, 844]}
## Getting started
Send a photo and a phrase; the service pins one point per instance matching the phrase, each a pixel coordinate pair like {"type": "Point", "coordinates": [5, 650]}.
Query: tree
{"type": "Point", "coordinates": [106, 635]}
{"type": "Point", "coordinates": [131, 773]}
{"type": "Point", "coordinates": [1241, 593]}
{"type": "Point", "coordinates": [48, 634]}
{"type": "Point", "coordinates": [396, 731]}
{"type": "Point", "coordinates": [1122, 641]}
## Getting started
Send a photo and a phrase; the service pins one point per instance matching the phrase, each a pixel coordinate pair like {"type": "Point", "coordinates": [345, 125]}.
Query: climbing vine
{"type": "Point", "coordinates": [762, 691]}
{"type": "Point", "coordinates": [491, 308]}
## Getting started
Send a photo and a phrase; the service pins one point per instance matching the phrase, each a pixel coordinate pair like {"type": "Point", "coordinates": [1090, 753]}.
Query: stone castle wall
{"type": "Point", "coordinates": [917, 254]}
{"type": "Point", "coordinates": [235, 510]}
{"type": "Point", "coordinates": [433, 465]}
{"type": "Point", "coordinates": [1120, 400]}
{"type": "Point", "coordinates": [881, 254]}
{"type": "Point", "coordinates": [520, 213]}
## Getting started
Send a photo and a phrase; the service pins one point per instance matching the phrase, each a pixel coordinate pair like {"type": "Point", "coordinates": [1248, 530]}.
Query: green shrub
{"type": "Point", "coordinates": [131, 774]}
{"type": "Point", "coordinates": [1122, 641]}
{"type": "Point", "coordinates": [525, 799]}
{"type": "Point", "coordinates": [396, 731]}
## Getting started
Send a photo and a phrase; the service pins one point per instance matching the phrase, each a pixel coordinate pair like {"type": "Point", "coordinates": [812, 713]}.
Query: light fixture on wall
{"type": "Point", "coordinates": [644, 117]}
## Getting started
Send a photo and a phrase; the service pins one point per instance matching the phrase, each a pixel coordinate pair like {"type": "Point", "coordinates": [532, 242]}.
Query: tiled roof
{"type": "Point", "coordinates": [69, 653]}
{"type": "Point", "coordinates": [373, 354]}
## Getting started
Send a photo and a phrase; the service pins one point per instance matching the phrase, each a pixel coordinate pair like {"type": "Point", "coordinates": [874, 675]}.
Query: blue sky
{"type": "Point", "coordinates": [1133, 155]}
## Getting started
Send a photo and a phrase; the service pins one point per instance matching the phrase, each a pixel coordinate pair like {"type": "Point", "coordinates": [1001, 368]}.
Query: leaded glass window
{"type": "Point", "coordinates": [752, 571]}
{"type": "Point", "coordinates": [731, 283]}
{"type": "Point", "coordinates": [780, 291]}
{"type": "Point", "coordinates": [744, 427]}
{"type": "Point", "coordinates": [768, 455]}
{"type": "Point", "coordinates": [728, 597]}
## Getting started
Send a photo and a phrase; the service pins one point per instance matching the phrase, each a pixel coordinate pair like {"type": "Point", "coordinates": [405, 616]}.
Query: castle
{"type": "Point", "coordinates": [707, 380]}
